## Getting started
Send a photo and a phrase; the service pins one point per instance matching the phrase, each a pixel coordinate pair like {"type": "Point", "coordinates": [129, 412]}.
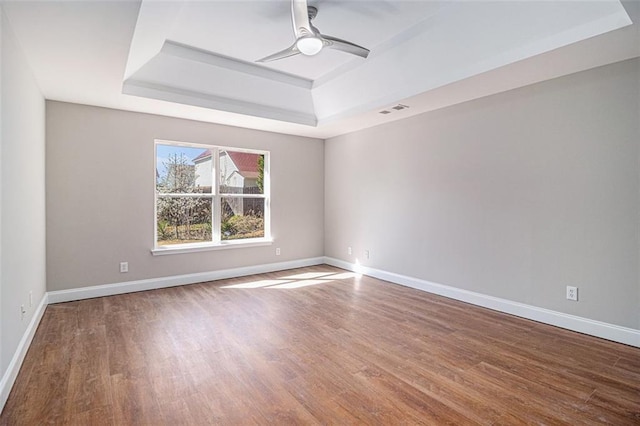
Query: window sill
{"type": "Point", "coordinates": [192, 248]}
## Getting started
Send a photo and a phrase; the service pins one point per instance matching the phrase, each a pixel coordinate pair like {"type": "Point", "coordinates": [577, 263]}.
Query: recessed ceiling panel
{"type": "Point", "coordinates": [426, 54]}
{"type": "Point", "coordinates": [250, 30]}
{"type": "Point", "coordinates": [416, 46]}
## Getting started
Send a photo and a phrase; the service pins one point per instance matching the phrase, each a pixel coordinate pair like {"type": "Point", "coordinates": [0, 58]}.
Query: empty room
{"type": "Point", "coordinates": [320, 212]}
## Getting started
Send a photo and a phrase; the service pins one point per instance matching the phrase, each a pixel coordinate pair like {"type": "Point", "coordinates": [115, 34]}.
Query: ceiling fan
{"type": "Point", "coordinates": [309, 40]}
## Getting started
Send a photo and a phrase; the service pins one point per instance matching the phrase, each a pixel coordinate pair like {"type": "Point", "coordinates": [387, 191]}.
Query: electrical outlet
{"type": "Point", "coordinates": [349, 250]}
{"type": "Point", "coordinates": [278, 251]}
{"type": "Point", "coordinates": [124, 267]}
{"type": "Point", "coordinates": [572, 293]}
{"type": "Point", "coordinates": [30, 299]}
{"type": "Point", "coordinates": [366, 254]}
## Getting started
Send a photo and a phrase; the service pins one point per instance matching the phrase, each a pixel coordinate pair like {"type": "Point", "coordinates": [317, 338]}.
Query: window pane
{"type": "Point", "coordinates": [241, 173]}
{"type": "Point", "coordinates": [183, 220]}
{"type": "Point", "coordinates": [183, 170]}
{"type": "Point", "coordinates": [242, 218]}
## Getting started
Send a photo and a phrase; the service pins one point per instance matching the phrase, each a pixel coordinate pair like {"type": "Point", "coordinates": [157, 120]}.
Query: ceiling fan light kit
{"type": "Point", "coordinates": [309, 40]}
{"type": "Point", "coordinates": [309, 45]}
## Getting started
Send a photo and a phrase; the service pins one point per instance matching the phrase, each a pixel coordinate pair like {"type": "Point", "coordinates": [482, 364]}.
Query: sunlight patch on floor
{"type": "Point", "coordinates": [308, 275]}
{"type": "Point", "coordinates": [301, 283]}
{"type": "Point", "coordinates": [306, 279]}
{"type": "Point", "coordinates": [257, 284]}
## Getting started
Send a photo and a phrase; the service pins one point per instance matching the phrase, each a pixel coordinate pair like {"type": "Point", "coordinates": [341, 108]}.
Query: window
{"type": "Point", "coordinates": [210, 196]}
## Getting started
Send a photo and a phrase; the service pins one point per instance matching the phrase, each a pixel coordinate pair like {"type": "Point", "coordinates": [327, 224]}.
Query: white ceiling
{"type": "Point", "coordinates": [196, 59]}
{"type": "Point", "coordinates": [253, 30]}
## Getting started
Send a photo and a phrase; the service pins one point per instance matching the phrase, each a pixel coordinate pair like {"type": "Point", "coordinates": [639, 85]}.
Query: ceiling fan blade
{"type": "Point", "coordinates": [345, 46]}
{"type": "Point", "coordinates": [300, 18]}
{"type": "Point", "coordinates": [289, 51]}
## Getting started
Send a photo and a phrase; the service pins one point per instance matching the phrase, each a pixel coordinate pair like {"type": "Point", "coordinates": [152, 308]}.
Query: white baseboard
{"type": "Point", "coordinates": [16, 362]}
{"type": "Point", "coordinates": [616, 333]}
{"type": "Point", "coordinates": [172, 281]}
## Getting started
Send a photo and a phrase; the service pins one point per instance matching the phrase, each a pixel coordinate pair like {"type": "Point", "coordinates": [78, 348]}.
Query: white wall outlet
{"type": "Point", "coordinates": [366, 254]}
{"type": "Point", "coordinates": [278, 251]}
{"type": "Point", "coordinates": [22, 312]}
{"type": "Point", "coordinates": [349, 250]}
{"type": "Point", "coordinates": [124, 267]}
{"type": "Point", "coordinates": [30, 299]}
{"type": "Point", "coordinates": [572, 293]}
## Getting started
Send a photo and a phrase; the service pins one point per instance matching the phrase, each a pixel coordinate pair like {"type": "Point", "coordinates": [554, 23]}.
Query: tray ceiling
{"type": "Point", "coordinates": [196, 59]}
{"type": "Point", "coordinates": [204, 53]}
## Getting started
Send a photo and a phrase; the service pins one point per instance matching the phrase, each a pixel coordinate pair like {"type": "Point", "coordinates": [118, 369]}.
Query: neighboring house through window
{"type": "Point", "coordinates": [210, 195]}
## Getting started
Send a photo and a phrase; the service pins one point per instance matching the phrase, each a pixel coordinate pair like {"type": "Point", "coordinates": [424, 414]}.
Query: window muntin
{"type": "Point", "coordinates": [210, 195]}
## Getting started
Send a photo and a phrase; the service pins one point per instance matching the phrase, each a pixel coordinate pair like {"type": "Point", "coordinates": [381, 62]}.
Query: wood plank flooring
{"type": "Point", "coordinates": [315, 345]}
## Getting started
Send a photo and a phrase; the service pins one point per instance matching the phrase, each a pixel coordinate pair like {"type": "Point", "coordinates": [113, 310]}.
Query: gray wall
{"type": "Point", "coordinates": [515, 195]}
{"type": "Point", "coordinates": [100, 196]}
{"type": "Point", "coordinates": [22, 196]}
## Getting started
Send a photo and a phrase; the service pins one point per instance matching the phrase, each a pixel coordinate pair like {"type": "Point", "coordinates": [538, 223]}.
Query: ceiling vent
{"type": "Point", "coordinates": [398, 107]}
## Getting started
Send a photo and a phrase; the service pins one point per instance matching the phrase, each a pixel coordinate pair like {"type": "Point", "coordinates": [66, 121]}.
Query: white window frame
{"type": "Point", "coordinates": [216, 242]}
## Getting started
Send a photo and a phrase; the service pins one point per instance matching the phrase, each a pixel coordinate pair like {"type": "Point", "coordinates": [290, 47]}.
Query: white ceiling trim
{"type": "Point", "coordinates": [194, 54]}
{"type": "Point", "coordinates": [199, 99]}
{"type": "Point", "coordinates": [195, 77]}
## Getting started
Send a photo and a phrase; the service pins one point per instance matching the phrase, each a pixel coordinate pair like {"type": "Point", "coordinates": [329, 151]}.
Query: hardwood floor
{"type": "Point", "coordinates": [313, 346]}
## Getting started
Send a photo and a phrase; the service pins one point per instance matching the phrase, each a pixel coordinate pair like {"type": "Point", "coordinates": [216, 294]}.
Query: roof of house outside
{"type": "Point", "coordinates": [245, 162]}
{"type": "Point", "coordinates": [204, 155]}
